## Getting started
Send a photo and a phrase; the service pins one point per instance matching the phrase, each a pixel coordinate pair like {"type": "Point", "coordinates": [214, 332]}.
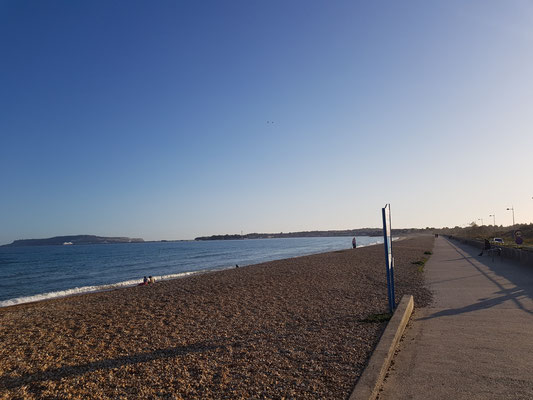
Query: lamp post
{"type": "Point", "coordinates": [512, 209]}
{"type": "Point", "coordinates": [493, 219]}
{"type": "Point", "coordinates": [480, 219]}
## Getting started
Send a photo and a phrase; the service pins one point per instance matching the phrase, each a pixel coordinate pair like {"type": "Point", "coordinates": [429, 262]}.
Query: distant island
{"type": "Point", "coordinates": [73, 240]}
{"type": "Point", "coordinates": [347, 232]}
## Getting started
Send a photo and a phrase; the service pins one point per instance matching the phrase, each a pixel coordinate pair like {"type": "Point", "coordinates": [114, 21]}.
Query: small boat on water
{"type": "Point", "coordinates": [67, 243]}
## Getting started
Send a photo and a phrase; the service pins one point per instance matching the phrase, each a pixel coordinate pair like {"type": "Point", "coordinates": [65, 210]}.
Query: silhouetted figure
{"type": "Point", "coordinates": [354, 243]}
{"type": "Point", "coordinates": [486, 246]}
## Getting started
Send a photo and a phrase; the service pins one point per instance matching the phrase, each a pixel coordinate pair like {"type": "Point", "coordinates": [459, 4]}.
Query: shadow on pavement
{"type": "Point", "coordinates": [519, 275]}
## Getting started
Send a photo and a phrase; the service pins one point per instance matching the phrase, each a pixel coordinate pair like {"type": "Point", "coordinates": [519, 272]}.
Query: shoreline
{"type": "Point", "coordinates": [296, 328]}
{"type": "Point", "coordinates": [86, 290]}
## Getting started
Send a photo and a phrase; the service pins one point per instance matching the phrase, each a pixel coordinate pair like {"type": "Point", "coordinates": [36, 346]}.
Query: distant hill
{"type": "Point", "coordinates": [347, 232]}
{"type": "Point", "coordinates": [75, 240]}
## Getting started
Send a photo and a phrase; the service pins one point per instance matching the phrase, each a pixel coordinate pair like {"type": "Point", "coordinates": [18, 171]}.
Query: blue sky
{"type": "Point", "coordinates": [170, 120]}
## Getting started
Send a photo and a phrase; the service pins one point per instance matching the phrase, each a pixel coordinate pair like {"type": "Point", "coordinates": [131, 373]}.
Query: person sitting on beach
{"type": "Point", "coordinates": [144, 282]}
{"type": "Point", "coordinates": [151, 279]}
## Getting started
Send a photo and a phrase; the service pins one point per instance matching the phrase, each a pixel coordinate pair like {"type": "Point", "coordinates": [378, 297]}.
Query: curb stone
{"type": "Point", "coordinates": [367, 387]}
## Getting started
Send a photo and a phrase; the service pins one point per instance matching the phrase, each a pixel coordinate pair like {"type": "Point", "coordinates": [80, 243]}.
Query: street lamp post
{"type": "Point", "coordinates": [512, 209]}
{"type": "Point", "coordinates": [493, 219]}
{"type": "Point", "coordinates": [480, 219]}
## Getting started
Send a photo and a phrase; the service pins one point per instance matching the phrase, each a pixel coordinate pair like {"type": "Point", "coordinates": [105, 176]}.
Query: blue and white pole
{"type": "Point", "coordinates": [389, 259]}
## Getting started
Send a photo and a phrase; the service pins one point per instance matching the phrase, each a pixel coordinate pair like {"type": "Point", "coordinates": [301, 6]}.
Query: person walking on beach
{"type": "Point", "coordinates": [354, 243]}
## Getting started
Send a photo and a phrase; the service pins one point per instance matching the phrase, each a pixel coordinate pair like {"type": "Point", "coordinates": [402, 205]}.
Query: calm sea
{"type": "Point", "coordinates": [43, 272]}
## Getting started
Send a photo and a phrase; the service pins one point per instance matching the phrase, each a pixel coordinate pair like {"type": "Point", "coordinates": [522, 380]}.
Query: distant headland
{"type": "Point", "coordinates": [73, 240]}
{"type": "Point", "coordinates": [347, 232]}
{"type": "Point", "coordinates": [92, 239]}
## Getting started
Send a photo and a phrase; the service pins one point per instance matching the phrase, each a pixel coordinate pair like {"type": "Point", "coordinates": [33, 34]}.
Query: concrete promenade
{"type": "Point", "coordinates": [476, 340]}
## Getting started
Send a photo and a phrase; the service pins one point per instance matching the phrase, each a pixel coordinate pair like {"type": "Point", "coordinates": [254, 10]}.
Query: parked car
{"type": "Point", "coordinates": [497, 241]}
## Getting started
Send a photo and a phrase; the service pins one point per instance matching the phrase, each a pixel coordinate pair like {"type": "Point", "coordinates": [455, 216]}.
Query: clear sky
{"type": "Point", "coordinates": [174, 119]}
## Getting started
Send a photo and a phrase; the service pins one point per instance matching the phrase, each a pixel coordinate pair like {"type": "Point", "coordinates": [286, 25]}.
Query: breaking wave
{"type": "Point", "coordinates": [90, 289]}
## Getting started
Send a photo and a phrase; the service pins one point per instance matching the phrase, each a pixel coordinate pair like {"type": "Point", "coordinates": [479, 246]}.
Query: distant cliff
{"type": "Point", "coordinates": [75, 240]}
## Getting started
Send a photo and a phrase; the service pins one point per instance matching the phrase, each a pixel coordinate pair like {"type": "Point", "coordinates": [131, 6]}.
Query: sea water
{"type": "Point", "coordinates": [44, 272]}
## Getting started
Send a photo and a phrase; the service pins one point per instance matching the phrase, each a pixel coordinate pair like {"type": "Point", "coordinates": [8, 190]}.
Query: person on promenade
{"type": "Point", "coordinates": [486, 246]}
{"type": "Point", "coordinates": [354, 243]}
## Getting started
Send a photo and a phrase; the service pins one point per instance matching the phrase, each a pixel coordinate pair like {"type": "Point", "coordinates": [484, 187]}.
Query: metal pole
{"type": "Point", "coordinates": [389, 292]}
{"type": "Point", "coordinates": [512, 209]}
{"type": "Point", "coordinates": [392, 262]}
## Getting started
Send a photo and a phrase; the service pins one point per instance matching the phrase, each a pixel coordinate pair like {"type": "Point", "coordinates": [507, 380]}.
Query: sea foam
{"type": "Point", "coordinates": [90, 289]}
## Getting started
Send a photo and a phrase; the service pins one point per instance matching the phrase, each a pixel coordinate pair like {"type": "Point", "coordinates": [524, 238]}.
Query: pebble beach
{"type": "Point", "coordinates": [299, 328]}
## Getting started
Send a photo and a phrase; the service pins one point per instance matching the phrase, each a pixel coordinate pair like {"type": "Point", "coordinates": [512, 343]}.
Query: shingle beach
{"type": "Point", "coordinates": [291, 328]}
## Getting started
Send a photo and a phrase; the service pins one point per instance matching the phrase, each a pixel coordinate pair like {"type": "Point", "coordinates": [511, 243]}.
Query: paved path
{"type": "Point", "coordinates": [476, 340]}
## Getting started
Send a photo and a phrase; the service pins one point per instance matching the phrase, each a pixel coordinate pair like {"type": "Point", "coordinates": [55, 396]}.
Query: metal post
{"type": "Point", "coordinates": [389, 261]}
{"type": "Point", "coordinates": [392, 263]}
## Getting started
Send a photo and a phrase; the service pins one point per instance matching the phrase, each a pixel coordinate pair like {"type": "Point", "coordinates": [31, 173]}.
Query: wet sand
{"type": "Point", "coordinates": [291, 328]}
